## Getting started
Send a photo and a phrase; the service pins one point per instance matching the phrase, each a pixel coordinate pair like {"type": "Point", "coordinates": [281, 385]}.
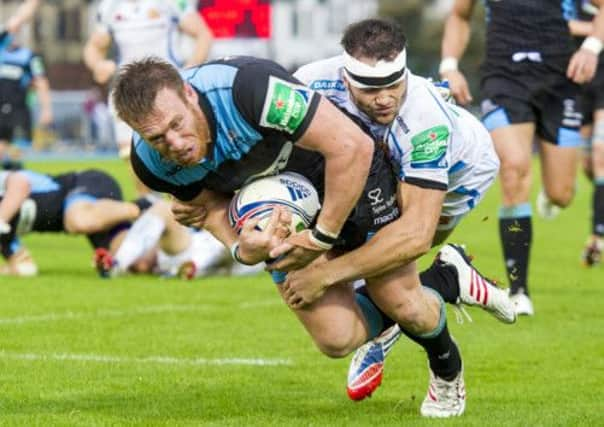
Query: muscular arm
{"type": "Point", "coordinates": [213, 208]}
{"type": "Point", "coordinates": [583, 64]}
{"type": "Point", "coordinates": [457, 29]}
{"type": "Point", "coordinates": [194, 25]}
{"type": "Point", "coordinates": [394, 245]}
{"type": "Point", "coordinates": [348, 153]}
{"type": "Point", "coordinates": [95, 52]}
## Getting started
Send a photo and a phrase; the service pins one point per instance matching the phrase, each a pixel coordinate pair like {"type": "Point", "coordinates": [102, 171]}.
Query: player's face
{"type": "Point", "coordinates": [380, 104]}
{"type": "Point", "coordinates": [177, 128]}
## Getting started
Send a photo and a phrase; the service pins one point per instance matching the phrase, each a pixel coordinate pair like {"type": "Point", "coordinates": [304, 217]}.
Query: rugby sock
{"type": "Point", "coordinates": [102, 239]}
{"type": "Point", "coordinates": [443, 354]}
{"type": "Point", "coordinates": [376, 319]}
{"type": "Point", "coordinates": [598, 207]}
{"type": "Point", "coordinates": [142, 236]}
{"type": "Point", "coordinates": [442, 278]}
{"type": "Point", "coordinates": [515, 231]}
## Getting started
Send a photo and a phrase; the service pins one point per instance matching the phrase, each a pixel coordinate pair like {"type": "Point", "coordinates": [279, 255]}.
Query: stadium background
{"type": "Point", "coordinates": [78, 350]}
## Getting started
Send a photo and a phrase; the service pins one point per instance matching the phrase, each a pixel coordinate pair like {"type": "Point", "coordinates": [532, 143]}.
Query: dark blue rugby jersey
{"type": "Point", "coordinates": [18, 66]}
{"type": "Point", "coordinates": [529, 25]}
{"type": "Point", "coordinates": [256, 112]}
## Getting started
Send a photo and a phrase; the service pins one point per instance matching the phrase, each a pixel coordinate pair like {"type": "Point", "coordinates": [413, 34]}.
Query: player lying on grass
{"type": "Point", "coordinates": [156, 243]}
{"type": "Point", "coordinates": [90, 203]}
{"type": "Point", "coordinates": [203, 133]}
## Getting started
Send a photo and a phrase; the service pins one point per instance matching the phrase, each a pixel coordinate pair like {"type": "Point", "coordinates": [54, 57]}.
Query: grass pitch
{"type": "Point", "coordinates": [76, 350]}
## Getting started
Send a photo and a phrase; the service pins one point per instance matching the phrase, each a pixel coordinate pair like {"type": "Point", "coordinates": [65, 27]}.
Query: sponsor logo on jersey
{"type": "Point", "coordinates": [429, 148]}
{"type": "Point", "coordinates": [285, 105]}
{"type": "Point", "coordinates": [328, 85]}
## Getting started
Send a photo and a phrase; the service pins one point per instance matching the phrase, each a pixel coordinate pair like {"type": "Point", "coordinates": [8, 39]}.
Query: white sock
{"type": "Point", "coordinates": [142, 236]}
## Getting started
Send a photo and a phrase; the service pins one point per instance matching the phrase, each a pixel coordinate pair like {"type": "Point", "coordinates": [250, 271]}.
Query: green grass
{"type": "Point", "coordinates": [76, 350]}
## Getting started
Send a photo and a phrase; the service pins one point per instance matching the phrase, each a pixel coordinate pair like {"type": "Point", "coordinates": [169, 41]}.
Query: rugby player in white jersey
{"type": "Point", "coordinates": [139, 28]}
{"type": "Point", "coordinates": [445, 162]}
{"type": "Point", "coordinates": [156, 244]}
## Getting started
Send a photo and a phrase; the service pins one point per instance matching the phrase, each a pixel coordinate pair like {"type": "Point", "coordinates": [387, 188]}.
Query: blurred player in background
{"type": "Point", "coordinates": [156, 243]}
{"type": "Point", "coordinates": [133, 29]}
{"type": "Point", "coordinates": [22, 15]}
{"type": "Point", "coordinates": [88, 202]}
{"type": "Point", "coordinates": [530, 86]}
{"type": "Point", "coordinates": [21, 70]}
{"type": "Point", "coordinates": [592, 103]}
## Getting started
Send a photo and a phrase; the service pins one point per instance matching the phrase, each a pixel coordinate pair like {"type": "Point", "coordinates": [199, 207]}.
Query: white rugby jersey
{"type": "Point", "coordinates": [141, 28]}
{"type": "Point", "coordinates": [432, 143]}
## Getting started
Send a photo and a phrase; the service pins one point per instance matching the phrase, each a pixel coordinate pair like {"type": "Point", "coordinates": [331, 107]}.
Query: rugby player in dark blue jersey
{"type": "Point", "coordinates": [530, 87]}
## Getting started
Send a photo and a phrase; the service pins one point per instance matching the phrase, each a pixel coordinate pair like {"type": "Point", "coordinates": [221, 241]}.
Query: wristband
{"type": "Point", "coordinates": [5, 227]}
{"type": "Point", "coordinates": [235, 254]}
{"type": "Point", "coordinates": [448, 64]}
{"type": "Point", "coordinates": [593, 44]}
{"type": "Point", "coordinates": [323, 239]}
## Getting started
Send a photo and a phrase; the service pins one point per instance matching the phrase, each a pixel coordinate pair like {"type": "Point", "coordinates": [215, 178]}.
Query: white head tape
{"type": "Point", "coordinates": [383, 73]}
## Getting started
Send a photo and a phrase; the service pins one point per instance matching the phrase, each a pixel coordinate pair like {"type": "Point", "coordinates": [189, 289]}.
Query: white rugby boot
{"type": "Point", "coordinates": [444, 398]}
{"type": "Point", "coordinates": [545, 208]}
{"type": "Point", "coordinates": [474, 288]}
{"type": "Point", "coordinates": [523, 305]}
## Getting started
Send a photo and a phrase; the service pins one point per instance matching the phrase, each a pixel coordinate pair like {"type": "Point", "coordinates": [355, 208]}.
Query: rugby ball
{"type": "Point", "coordinates": [258, 199]}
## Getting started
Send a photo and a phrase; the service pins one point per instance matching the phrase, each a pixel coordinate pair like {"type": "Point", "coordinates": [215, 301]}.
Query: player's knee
{"type": "Point", "coordinates": [79, 224]}
{"type": "Point", "coordinates": [563, 196]}
{"type": "Point", "coordinates": [336, 345]}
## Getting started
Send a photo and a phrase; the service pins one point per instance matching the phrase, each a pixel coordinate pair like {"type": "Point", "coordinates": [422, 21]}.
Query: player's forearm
{"type": "Point", "coordinates": [345, 177]}
{"type": "Point", "coordinates": [194, 25]}
{"type": "Point", "coordinates": [598, 25]}
{"type": "Point", "coordinates": [580, 28]}
{"type": "Point", "coordinates": [43, 92]}
{"type": "Point", "coordinates": [455, 37]}
{"type": "Point", "coordinates": [393, 246]}
{"type": "Point", "coordinates": [201, 50]}
{"type": "Point", "coordinates": [94, 52]}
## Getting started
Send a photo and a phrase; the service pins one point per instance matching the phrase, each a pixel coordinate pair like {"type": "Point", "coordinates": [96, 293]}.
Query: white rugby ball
{"type": "Point", "coordinates": [258, 199]}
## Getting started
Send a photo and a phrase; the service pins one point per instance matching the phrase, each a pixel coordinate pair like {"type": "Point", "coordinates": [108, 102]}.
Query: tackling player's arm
{"type": "Point", "coordinates": [455, 40]}
{"type": "Point", "coordinates": [394, 245]}
{"type": "Point", "coordinates": [584, 62]}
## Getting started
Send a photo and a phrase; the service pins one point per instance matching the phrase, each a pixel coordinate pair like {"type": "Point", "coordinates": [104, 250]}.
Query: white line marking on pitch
{"type": "Point", "coordinates": [161, 360]}
{"type": "Point", "coordinates": [153, 309]}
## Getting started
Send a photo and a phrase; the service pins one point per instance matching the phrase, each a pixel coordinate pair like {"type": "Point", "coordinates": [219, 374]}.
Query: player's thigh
{"type": "Point", "coordinates": [335, 321]}
{"type": "Point", "coordinates": [514, 144]}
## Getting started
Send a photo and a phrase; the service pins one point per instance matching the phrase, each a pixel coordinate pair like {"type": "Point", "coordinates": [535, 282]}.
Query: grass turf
{"type": "Point", "coordinates": [79, 350]}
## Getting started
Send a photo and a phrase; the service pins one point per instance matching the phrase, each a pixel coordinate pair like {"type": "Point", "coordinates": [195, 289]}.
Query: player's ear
{"type": "Point", "coordinates": [190, 93]}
